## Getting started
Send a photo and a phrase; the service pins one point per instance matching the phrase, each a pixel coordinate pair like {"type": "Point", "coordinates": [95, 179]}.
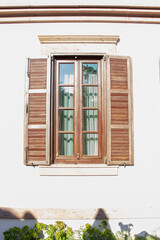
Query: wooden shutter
{"type": "Point", "coordinates": [119, 111]}
{"type": "Point", "coordinates": [37, 104]}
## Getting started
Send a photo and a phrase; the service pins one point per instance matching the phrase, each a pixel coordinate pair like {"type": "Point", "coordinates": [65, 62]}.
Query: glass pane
{"type": "Point", "coordinates": [90, 120]}
{"type": "Point", "coordinates": [66, 144]}
{"type": "Point", "coordinates": [66, 97]}
{"type": "Point", "coordinates": [90, 144]}
{"type": "Point", "coordinates": [89, 96]}
{"type": "Point", "coordinates": [89, 73]}
{"type": "Point", "coordinates": [66, 73]}
{"type": "Point", "coordinates": [66, 120]}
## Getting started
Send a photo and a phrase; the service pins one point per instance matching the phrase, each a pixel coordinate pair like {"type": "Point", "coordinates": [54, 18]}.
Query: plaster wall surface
{"type": "Point", "coordinates": [80, 2]}
{"type": "Point", "coordinates": [132, 196]}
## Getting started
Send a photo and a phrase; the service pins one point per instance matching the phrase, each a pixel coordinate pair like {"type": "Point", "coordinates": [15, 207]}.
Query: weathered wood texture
{"type": "Point", "coordinates": [36, 145]}
{"type": "Point", "coordinates": [38, 74]}
{"type": "Point", "coordinates": [36, 125]}
{"type": "Point", "coordinates": [37, 108]}
{"type": "Point", "coordinates": [120, 112]}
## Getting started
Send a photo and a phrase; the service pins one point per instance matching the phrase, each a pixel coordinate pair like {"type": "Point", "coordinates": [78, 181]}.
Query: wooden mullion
{"type": "Point", "coordinates": [75, 110]}
{"type": "Point", "coordinates": [92, 132]}
{"type": "Point", "coordinates": [104, 109]}
{"type": "Point", "coordinates": [66, 157]}
{"type": "Point", "coordinates": [99, 76]}
{"type": "Point", "coordinates": [66, 160]}
{"type": "Point", "coordinates": [66, 85]}
{"type": "Point", "coordinates": [65, 108]}
{"type": "Point", "coordinates": [66, 132]}
{"type": "Point", "coordinates": [57, 111]}
{"type": "Point", "coordinates": [52, 107]}
{"type": "Point", "coordinates": [90, 108]}
{"type": "Point", "coordinates": [81, 107]}
{"type": "Point", "coordinates": [89, 85]}
{"type": "Point", "coordinates": [91, 157]}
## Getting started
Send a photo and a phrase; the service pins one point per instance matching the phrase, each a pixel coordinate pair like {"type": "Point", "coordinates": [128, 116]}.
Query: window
{"type": "Point", "coordinates": [79, 110]}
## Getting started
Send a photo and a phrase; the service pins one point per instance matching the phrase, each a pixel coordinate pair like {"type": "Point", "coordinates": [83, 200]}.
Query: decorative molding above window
{"type": "Point", "coordinates": [54, 39]}
{"type": "Point", "coordinates": [67, 12]}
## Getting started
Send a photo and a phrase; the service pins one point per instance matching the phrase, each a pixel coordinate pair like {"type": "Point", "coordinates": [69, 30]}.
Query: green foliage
{"type": "Point", "coordinates": [125, 235]}
{"type": "Point", "coordinates": [22, 234]}
{"type": "Point", "coordinates": [93, 233]}
{"type": "Point", "coordinates": [12, 234]}
{"type": "Point", "coordinates": [146, 237]}
{"type": "Point", "coordinates": [60, 231]}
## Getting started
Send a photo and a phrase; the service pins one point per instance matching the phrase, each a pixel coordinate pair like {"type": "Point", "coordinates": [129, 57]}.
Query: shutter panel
{"type": "Point", "coordinates": [119, 111]}
{"type": "Point", "coordinates": [37, 108]}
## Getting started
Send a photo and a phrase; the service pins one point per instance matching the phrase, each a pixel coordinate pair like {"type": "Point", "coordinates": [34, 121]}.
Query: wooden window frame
{"type": "Point", "coordinates": [78, 62]}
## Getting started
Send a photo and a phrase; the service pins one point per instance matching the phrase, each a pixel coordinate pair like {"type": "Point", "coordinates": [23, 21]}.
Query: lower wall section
{"type": "Point", "coordinates": [80, 214]}
{"type": "Point", "coordinates": [75, 218]}
{"type": "Point", "coordinates": [50, 213]}
{"type": "Point", "coordinates": [135, 226]}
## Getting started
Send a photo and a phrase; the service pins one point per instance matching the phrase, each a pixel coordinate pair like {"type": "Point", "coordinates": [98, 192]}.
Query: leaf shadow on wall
{"type": "Point", "coordinates": [10, 219]}
{"type": "Point", "coordinates": [125, 232]}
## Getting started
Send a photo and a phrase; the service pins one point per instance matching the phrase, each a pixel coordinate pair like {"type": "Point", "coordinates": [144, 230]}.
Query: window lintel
{"type": "Point", "coordinates": [101, 39]}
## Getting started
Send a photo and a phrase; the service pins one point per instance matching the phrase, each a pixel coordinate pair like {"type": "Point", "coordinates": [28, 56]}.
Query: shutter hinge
{"type": "Point", "coordinates": [28, 70]}
{"type": "Point", "coordinates": [32, 164]}
{"type": "Point", "coordinates": [26, 108]}
{"type": "Point", "coordinates": [105, 160]}
{"type": "Point", "coordinates": [104, 58]}
{"type": "Point", "coordinates": [78, 156]}
{"type": "Point", "coordinates": [26, 153]}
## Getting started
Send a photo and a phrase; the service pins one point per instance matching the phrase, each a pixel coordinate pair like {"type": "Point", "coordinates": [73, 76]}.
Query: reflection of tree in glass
{"type": "Point", "coordinates": [88, 69]}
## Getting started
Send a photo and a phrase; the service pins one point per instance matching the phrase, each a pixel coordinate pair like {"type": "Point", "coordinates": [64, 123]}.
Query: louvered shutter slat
{"type": "Point", "coordinates": [37, 125]}
{"type": "Point", "coordinates": [119, 111]}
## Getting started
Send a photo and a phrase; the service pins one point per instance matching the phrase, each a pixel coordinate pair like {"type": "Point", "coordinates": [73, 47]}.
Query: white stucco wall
{"type": "Point", "coordinates": [80, 2]}
{"type": "Point", "coordinates": [131, 197]}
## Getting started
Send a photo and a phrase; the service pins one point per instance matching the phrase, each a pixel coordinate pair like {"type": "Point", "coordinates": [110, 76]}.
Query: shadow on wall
{"type": "Point", "coordinates": [10, 219]}
{"type": "Point", "coordinates": [125, 227]}
{"type": "Point", "coordinates": [101, 215]}
{"type": "Point", "coordinates": [125, 232]}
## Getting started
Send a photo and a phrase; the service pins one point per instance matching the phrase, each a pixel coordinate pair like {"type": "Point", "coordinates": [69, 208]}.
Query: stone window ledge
{"type": "Point", "coordinates": [78, 170]}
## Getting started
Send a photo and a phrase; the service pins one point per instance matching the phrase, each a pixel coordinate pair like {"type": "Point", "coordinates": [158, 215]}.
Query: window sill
{"type": "Point", "coordinates": [78, 170]}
